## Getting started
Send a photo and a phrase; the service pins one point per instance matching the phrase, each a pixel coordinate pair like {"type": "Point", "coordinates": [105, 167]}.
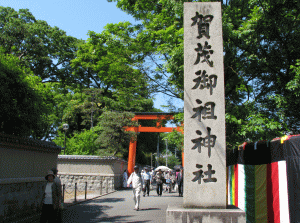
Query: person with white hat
{"type": "Point", "coordinates": [137, 184]}
{"type": "Point", "coordinates": [51, 200]}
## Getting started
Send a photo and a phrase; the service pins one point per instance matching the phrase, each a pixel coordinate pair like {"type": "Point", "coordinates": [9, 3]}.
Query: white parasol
{"type": "Point", "coordinates": [162, 168]}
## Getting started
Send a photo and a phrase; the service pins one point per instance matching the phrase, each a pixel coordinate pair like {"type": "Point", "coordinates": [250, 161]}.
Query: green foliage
{"type": "Point", "coordinates": [113, 138]}
{"type": "Point", "coordinates": [23, 99]}
{"type": "Point", "coordinates": [172, 161]}
{"type": "Point", "coordinates": [175, 138]}
{"type": "Point", "coordinates": [82, 143]}
{"type": "Point", "coordinates": [108, 63]}
{"type": "Point", "coordinates": [46, 50]}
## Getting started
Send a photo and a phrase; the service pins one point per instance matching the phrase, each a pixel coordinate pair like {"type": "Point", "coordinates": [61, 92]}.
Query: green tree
{"type": "Point", "coordinates": [46, 50]}
{"type": "Point", "coordinates": [108, 63]}
{"type": "Point", "coordinates": [24, 107]}
{"type": "Point", "coordinates": [113, 138]}
{"type": "Point", "coordinates": [82, 143]}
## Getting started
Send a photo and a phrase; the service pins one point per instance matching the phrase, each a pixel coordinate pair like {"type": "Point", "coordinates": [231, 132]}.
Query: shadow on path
{"type": "Point", "coordinates": [118, 219]}
{"type": "Point", "coordinates": [87, 213]}
{"type": "Point", "coordinates": [105, 200]}
{"type": "Point", "coordinates": [149, 209]}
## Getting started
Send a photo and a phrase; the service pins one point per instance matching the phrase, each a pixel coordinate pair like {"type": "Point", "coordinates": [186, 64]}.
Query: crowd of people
{"type": "Point", "coordinates": [139, 181]}
{"type": "Point", "coordinates": [142, 181]}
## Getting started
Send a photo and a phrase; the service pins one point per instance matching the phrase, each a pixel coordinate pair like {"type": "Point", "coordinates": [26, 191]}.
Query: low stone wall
{"type": "Point", "coordinates": [94, 181]}
{"type": "Point", "coordinates": [91, 169]}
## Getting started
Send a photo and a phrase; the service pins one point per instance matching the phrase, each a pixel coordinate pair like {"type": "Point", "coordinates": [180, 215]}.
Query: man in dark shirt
{"type": "Point", "coordinates": [180, 182]}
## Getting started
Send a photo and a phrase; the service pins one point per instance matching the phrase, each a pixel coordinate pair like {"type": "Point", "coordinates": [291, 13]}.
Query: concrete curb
{"type": "Point", "coordinates": [80, 200]}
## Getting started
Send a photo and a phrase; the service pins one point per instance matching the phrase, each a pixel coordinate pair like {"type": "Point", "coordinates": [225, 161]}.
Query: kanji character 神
{"type": "Point", "coordinates": [209, 141]}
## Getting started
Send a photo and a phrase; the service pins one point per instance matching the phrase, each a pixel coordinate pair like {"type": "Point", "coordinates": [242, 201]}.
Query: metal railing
{"type": "Point", "coordinates": [75, 189]}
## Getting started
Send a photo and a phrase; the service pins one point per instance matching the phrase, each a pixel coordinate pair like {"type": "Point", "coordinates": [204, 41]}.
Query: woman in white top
{"type": "Point", "coordinates": [52, 198]}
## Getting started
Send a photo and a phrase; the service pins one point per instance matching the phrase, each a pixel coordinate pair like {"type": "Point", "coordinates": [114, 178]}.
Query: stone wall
{"type": "Point", "coordinates": [94, 181]}
{"type": "Point", "coordinates": [21, 199]}
{"type": "Point", "coordinates": [23, 165]}
{"type": "Point", "coordinates": [94, 170]}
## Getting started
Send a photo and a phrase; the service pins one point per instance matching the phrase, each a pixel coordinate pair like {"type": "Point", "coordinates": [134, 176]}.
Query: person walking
{"type": "Point", "coordinates": [180, 182]}
{"type": "Point", "coordinates": [136, 180]}
{"type": "Point", "coordinates": [170, 181]}
{"type": "Point", "coordinates": [125, 178]}
{"type": "Point", "coordinates": [51, 199]}
{"type": "Point", "coordinates": [159, 182]}
{"type": "Point", "coordinates": [146, 176]}
{"type": "Point", "coordinates": [61, 205]}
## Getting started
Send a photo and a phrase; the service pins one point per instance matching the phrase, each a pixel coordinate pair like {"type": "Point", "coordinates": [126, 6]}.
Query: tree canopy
{"type": "Point", "coordinates": [24, 100]}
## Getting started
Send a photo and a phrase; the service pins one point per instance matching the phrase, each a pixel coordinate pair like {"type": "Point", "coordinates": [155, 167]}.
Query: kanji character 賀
{"type": "Point", "coordinates": [198, 174]}
{"type": "Point", "coordinates": [209, 173]}
{"type": "Point", "coordinates": [207, 111]}
{"type": "Point", "coordinates": [203, 24]}
{"type": "Point", "coordinates": [209, 141]}
{"type": "Point", "coordinates": [204, 52]}
{"type": "Point", "coordinates": [205, 81]}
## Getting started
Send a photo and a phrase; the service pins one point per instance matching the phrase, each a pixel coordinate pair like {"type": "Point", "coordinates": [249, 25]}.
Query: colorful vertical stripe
{"type": "Point", "coordinates": [241, 186]}
{"type": "Point", "coordinates": [260, 190]}
{"type": "Point", "coordinates": [283, 193]}
{"type": "Point", "coordinates": [236, 184]}
{"type": "Point", "coordinates": [261, 211]}
{"type": "Point", "coordinates": [273, 193]}
{"type": "Point", "coordinates": [250, 193]}
{"type": "Point", "coordinates": [231, 185]}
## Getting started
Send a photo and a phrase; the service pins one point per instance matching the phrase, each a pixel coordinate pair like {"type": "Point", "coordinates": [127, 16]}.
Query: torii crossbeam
{"type": "Point", "coordinates": [159, 116]}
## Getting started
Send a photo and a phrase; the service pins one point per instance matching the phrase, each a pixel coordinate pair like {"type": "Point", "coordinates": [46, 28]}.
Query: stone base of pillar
{"type": "Point", "coordinates": [179, 214]}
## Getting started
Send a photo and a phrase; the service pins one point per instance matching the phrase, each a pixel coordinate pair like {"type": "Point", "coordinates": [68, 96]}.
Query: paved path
{"type": "Point", "coordinates": [118, 207]}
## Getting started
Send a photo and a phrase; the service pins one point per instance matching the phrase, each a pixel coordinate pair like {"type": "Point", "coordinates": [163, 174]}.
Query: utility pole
{"type": "Point", "coordinates": [166, 152]}
{"type": "Point", "coordinates": [92, 111]}
{"type": "Point", "coordinates": [157, 155]}
{"type": "Point", "coordinates": [151, 161]}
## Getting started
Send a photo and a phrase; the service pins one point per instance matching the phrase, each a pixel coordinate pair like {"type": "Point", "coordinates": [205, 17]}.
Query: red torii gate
{"type": "Point", "coordinates": [148, 116]}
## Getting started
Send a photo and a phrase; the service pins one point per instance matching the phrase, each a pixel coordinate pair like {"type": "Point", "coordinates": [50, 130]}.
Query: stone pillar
{"type": "Point", "coordinates": [204, 193]}
{"type": "Point", "coordinates": [204, 107]}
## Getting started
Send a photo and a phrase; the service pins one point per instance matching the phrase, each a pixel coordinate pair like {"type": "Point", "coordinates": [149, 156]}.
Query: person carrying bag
{"type": "Point", "coordinates": [159, 182]}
